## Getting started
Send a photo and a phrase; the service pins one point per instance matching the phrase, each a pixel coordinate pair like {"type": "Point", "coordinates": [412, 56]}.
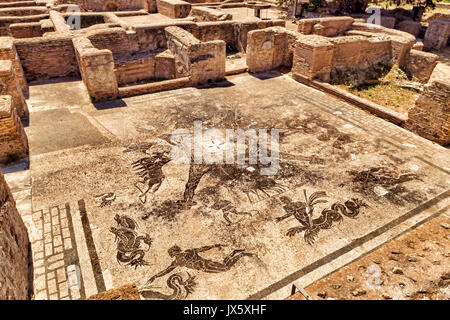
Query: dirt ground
{"type": "Point", "coordinates": [416, 265]}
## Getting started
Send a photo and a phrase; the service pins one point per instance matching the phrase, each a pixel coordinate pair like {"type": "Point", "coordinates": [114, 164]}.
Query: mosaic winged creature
{"type": "Point", "coordinates": [129, 249]}
{"type": "Point", "coordinates": [304, 213]}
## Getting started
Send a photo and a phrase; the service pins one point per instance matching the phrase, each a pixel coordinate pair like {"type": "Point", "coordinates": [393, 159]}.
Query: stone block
{"type": "Point", "coordinates": [174, 8]}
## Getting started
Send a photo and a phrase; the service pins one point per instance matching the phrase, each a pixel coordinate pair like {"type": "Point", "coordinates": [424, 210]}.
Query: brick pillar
{"type": "Point", "coordinates": [97, 70]}
{"type": "Point", "coordinates": [313, 57]}
{"type": "Point", "coordinates": [266, 49]}
{"type": "Point", "coordinates": [9, 85]}
{"type": "Point", "coordinates": [13, 140]}
{"type": "Point", "coordinates": [8, 52]}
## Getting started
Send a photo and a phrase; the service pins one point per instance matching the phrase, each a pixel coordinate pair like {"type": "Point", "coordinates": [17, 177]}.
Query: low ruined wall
{"type": "Point", "coordinates": [385, 21]}
{"type": "Point", "coordinates": [401, 42]}
{"type": "Point", "coordinates": [218, 30]}
{"type": "Point", "coordinates": [437, 35]}
{"type": "Point", "coordinates": [270, 48]}
{"type": "Point", "coordinates": [443, 5]}
{"type": "Point", "coordinates": [328, 27]}
{"type": "Point", "coordinates": [420, 65]}
{"type": "Point", "coordinates": [97, 70]}
{"type": "Point", "coordinates": [109, 5]}
{"type": "Point", "coordinates": [409, 26]}
{"type": "Point", "coordinates": [48, 57]}
{"type": "Point", "coordinates": [209, 14]}
{"type": "Point", "coordinates": [430, 117]}
{"type": "Point", "coordinates": [200, 61]}
{"type": "Point", "coordinates": [241, 30]}
{"type": "Point", "coordinates": [13, 140]}
{"type": "Point", "coordinates": [14, 248]}
{"type": "Point", "coordinates": [174, 8]}
{"type": "Point", "coordinates": [158, 66]}
{"type": "Point", "coordinates": [8, 52]}
{"type": "Point", "coordinates": [15, 3]}
{"type": "Point", "coordinates": [24, 11]}
{"type": "Point", "coordinates": [355, 58]}
{"type": "Point", "coordinates": [312, 57]}
{"type": "Point", "coordinates": [9, 85]}
{"type": "Point", "coordinates": [26, 30]}
{"type": "Point", "coordinates": [5, 22]}
{"type": "Point", "coordinates": [117, 40]}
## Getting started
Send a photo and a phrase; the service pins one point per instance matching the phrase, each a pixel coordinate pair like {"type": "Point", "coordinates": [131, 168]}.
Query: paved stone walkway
{"type": "Point", "coordinates": [106, 207]}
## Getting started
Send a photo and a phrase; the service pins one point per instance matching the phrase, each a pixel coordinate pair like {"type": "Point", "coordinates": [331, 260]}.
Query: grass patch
{"type": "Point", "coordinates": [387, 94]}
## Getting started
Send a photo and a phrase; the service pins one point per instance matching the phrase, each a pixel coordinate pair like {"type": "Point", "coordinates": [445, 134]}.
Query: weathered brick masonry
{"type": "Point", "coordinates": [13, 140]}
{"type": "Point", "coordinates": [14, 248]}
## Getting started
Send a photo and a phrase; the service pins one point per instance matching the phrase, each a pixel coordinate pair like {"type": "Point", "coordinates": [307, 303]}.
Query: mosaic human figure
{"type": "Point", "coordinates": [191, 259]}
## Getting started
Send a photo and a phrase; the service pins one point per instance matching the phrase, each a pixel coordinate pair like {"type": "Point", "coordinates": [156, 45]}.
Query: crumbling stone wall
{"type": "Point", "coordinates": [9, 85]}
{"type": "Point", "coordinates": [6, 21]}
{"type": "Point", "coordinates": [174, 8]}
{"type": "Point", "coordinates": [200, 61]}
{"type": "Point", "coordinates": [14, 248]}
{"type": "Point", "coordinates": [327, 58]}
{"type": "Point", "coordinates": [97, 69]}
{"type": "Point", "coordinates": [409, 26]}
{"type": "Point", "coordinates": [312, 58]}
{"type": "Point", "coordinates": [8, 52]}
{"type": "Point", "coordinates": [156, 65]}
{"type": "Point", "coordinates": [105, 5]}
{"type": "Point", "coordinates": [26, 30]}
{"type": "Point", "coordinates": [328, 27]}
{"type": "Point", "coordinates": [401, 42]}
{"type": "Point", "coordinates": [437, 35]}
{"type": "Point", "coordinates": [47, 57]}
{"type": "Point", "coordinates": [420, 65]}
{"type": "Point", "coordinates": [209, 14]}
{"type": "Point", "coordinates": [270, 48]}
{"type": "Point", "coordinates": [430, 117]}
{"type": "Point", "coordinates": [13, 140]}
{"type": "Point", "coordinates": [241, 30]}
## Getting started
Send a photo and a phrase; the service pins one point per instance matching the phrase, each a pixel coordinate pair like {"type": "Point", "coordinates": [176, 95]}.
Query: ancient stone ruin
{"type": "Point", "coordinates": [93, 204]}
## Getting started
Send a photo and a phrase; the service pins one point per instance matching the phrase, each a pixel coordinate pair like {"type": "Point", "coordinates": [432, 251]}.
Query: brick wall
{"type": "Point", "coordinates": [173, 8]}
{"type": "Point", "coordinates": [430, 117]}
{"type": "Point", "coordinates": [101, 5]}
{"type": "Point", "coordinates": [156, 65]}
{"type": "Point", "coordinates": [328, 27]}
{"type": "Point", "coordinates": [209, 14]}
{"type": "Point", "coordinates": [8, 52]}
{"type": "Point", "coordinates": [14, 242]}
{"type": "Point", "coordinates": [6, 21]}
{"type": "Point", "coordinates": [13, 140]}
{"type": "Point", "coordinates": [45, 58]}
{"type": "Point", "coordinates": [266, 49]}
{"type": "Point", "coordinates": [26, 30]}
{"type": "Point", "coordinates": [97, 70]}
{"type": "Point", "coordinates": [200, 61]}
{"type": "Point", "coordinates": [437, 35]}
{"type": "Point", "coordinates": [420, 65]}
{"type": "Point", "coordinates": [9, 85]}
